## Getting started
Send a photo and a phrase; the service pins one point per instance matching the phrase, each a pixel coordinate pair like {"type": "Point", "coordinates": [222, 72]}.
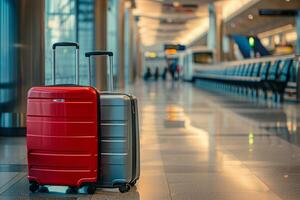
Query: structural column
{"type": "Point", "coordinates": [129, 46]}
{"type": "Point", "coordinates": [298, 33]}
{"type": "Point", "coordinates": [298, 52]}
{"type": "Point", "coordinates": [115, 38]}
{"type": "Point", "coordinates": [136, 39]}
{"type": "Point", "coordinates": [32, 45]}
{"type": "Point", "coordinates": [101, 43]}
{"type": "Point", "coordinates": [215, 32]}
{"type": "Point", "coordinates": [21, 60]}
{"type": "Point", "coordinates": [121, 44]}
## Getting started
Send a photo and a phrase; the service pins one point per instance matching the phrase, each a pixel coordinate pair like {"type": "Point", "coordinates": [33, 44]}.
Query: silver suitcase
{"type": "Point", "coordinates": [119, 137]}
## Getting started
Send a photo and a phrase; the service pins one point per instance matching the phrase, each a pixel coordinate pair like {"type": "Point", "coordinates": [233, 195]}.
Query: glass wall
{"type": "Point", "coordinates": [8, 54]}
{"type": "Point", "coordinates": [113, 40]}
{"type": "Point", "coordinates": [68, 20]}
{"type": "Point", "coordinates": [127, 50]}
{"type": "Point", "coordinates": [21, 59]}
{"type": "Point", "coordinates": [86, 39]}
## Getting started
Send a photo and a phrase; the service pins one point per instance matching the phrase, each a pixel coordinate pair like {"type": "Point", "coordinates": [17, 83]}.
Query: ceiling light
{"type": "Point", "coordinates": [197, 32]}
{"type": "Point", "coordinates": [279, 30]}
{"type": "Point", "coordinates": [250, 17]}
{"type": "Point", "coordinates": [176, 4]}
{"type": "Point", "coordinates": [146, 42]}
{"type": "Point", "coordinates": [150, 54]}
{"type": "Point", "coordinates": [276, 39]}
{"type": "Point", "coordinates": [266, 42]}
{"type": "Point", "coordinates": [291, 37]}
{"type": "Point", "coordinates": [231, 8]}
{"type": "Point", "coordinates": [288, 0]}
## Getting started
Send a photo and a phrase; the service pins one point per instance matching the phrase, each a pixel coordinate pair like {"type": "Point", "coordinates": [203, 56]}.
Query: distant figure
{"type": "Point", "coordinates": [178, 69]}
{"type": "Point", "coordinates": [172, 69]}
{"type": "Point", "coordinates": [164, 74]}
{"type": "Point", "coordinates": [148, 74]}
{"type": "Point", "coordinates": [156, 74]}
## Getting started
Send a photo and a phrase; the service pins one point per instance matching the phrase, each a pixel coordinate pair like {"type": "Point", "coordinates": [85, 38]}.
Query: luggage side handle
{"type": "Point", "coordinates": [65, 44]}
{"type": "Point", "coordinates": [110, 71]}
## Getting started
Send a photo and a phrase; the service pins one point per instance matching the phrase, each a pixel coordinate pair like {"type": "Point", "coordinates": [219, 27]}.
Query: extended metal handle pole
{"type": "Point", "coordinates": [111, 75]}
{"type": "Point", "coordinates": [53, 66]}
{"type": "Point", "coordinates": [77, 67]}
{"type": "Point", "coordinates": [110, 68]}
{"type": "Point", "coordinates": [90, 73]}
{"type": "Point", "coordinates": [65, 44]}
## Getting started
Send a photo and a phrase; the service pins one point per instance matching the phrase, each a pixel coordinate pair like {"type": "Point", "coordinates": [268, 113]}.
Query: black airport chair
{"type": "Point", "coordinates": [278, 82]}
{"type": "Point", "coordinates": [254, 81]}
{"type": "Point", "coordinates": [291, 87]}
{"type": "Point", "coordinates": [248, 77]}
{"type": "Point", "coordinates": [241, 79]}
{"type": "Point", "coordinates": [263, 78]}
{"type": "Point", "coordinates": [272, 75]}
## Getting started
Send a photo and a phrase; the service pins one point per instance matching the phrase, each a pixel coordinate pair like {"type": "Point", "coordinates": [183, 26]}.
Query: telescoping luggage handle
{"type": "Point", "coordinates": [66, 44]}
{"type": "Point", "coordinates": [102, 53]}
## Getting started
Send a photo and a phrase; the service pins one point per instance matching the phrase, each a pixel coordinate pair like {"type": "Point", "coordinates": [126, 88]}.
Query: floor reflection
{"type": "Point", "coordinates": [281, 122]}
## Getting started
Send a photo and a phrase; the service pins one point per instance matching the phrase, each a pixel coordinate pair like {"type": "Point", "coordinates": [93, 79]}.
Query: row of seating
{"type": "Point", "coordinates": [257, 78]}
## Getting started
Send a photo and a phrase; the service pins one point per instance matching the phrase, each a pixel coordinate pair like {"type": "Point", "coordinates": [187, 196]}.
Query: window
{"type": "Point", "coordinates": [202, 57]}
{"type": "Point", "coordinates": [8, 53]}
{"type": "Point", "coordinates": [68, 20]}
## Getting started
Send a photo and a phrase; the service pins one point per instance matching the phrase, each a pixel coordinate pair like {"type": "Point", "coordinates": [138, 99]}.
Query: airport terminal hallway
{"type": "Point", "coordinates": [194, 145]}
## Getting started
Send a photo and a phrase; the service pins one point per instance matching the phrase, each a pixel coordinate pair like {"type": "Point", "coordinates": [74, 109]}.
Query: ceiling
{"type": "Point", "coordinates": [258, 25]}
{"type": "Point", "coordinates": [166, 21]}
{"type": "Point", "coordinates": [186, 21]}
{"type": "Point", "coordinates": [241, 24]}
{"type": "Point", "coordinates": [178, 21]}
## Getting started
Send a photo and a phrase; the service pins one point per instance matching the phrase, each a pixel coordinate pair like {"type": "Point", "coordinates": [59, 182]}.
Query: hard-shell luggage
{"type": "Point", "coordinates": [119, 133]}
{"type": "Point", "coordinates": [62, 133]}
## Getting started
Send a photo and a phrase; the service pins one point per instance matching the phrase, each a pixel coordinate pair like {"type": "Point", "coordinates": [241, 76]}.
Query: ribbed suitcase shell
{"type": "Point", "coordinates": [119, 132]}
{"type": "Point", "coordinates": [62, 135]}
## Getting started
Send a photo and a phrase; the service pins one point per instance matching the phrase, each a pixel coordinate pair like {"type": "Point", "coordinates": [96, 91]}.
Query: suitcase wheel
{"type": "Point", "coordinates": [132, 183]}
{"type": "Point", "coordinates": [43, 189]}
{"type": "Point", "coordinates": [72, 190]}
{"type": "Point", "coordinates": [91, 189]}
{"type": "Point", "coordinates": [34, 187]}
{"type": "Point", "coordinates": [124, 188]}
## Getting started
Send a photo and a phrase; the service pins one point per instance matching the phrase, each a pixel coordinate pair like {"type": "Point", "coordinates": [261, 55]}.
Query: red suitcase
{"type": "Point", "coordinates": [62, 133]}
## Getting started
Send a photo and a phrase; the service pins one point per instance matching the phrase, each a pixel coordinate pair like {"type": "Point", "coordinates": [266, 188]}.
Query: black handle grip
{"type": "Point", "coordinates": [98, 53]}
{"type": "Point", "coordinates": [65, 44]}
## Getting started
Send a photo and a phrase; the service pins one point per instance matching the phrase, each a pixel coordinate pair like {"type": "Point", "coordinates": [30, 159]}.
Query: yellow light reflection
{"type": "Point", "coordinates": [251, 138]}
{"type": "Point", "coordinates": [251, 141]}
{"type": "Point", "coordinates": [174, 108]}
{"type": "Point", "coordinates": [175, 113]}
{"type": "Point", "coordinates": [291, 126]}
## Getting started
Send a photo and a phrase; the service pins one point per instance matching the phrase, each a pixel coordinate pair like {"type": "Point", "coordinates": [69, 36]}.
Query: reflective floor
{"type": "Point", "coordinates": [194, 145]}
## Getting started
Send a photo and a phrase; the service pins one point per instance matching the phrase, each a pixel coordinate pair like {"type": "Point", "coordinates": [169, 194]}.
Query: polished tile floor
{"type": "Point", "coordinates": [194, 145]}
